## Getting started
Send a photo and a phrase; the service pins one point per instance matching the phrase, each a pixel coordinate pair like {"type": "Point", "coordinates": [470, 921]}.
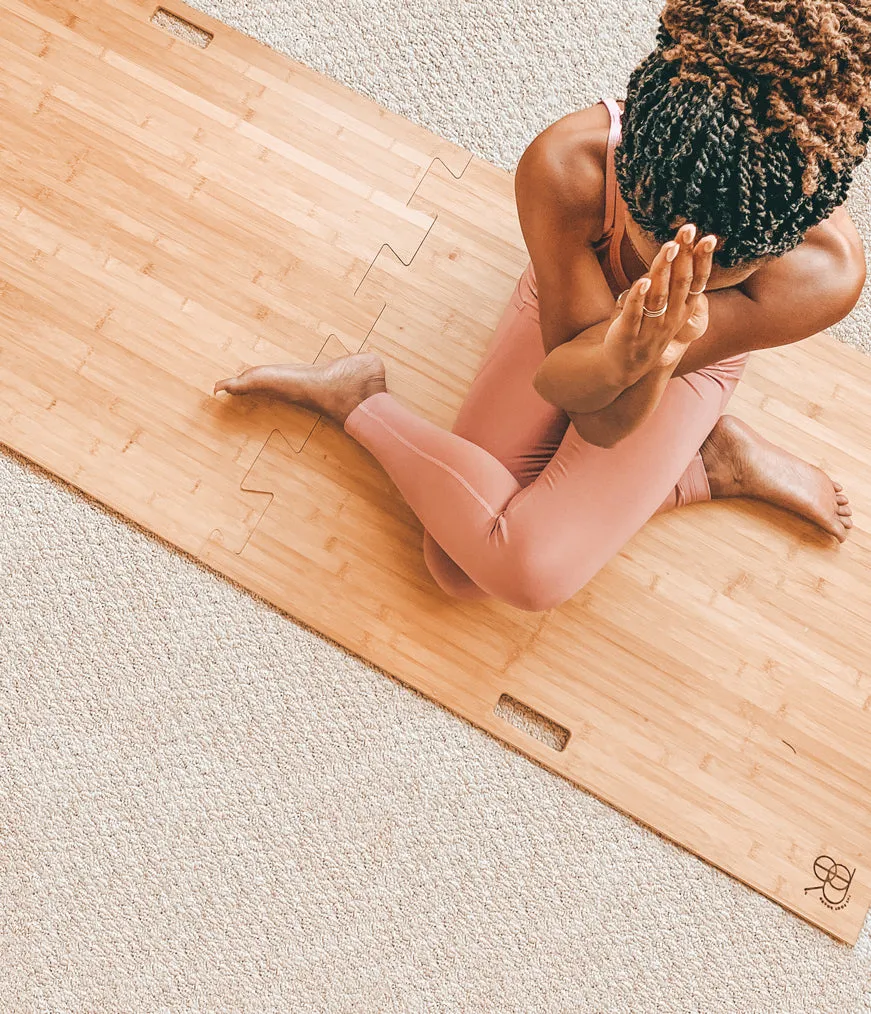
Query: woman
{"type": "Point", "coordinates": [600, 400]}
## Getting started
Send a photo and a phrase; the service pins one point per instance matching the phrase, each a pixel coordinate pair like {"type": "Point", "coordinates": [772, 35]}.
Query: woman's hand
{"type": "Point", "coordinates": [676, 282]}
{"type": "Point", "coordinates": [695, 327]}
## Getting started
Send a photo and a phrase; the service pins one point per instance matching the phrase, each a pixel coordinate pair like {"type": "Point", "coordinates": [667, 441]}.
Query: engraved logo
{"type": "Point", "coordinates": [834, 882]}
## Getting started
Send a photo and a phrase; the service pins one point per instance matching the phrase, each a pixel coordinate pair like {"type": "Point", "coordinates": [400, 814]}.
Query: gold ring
{"type": "Point", "coordinates": [654, 313]}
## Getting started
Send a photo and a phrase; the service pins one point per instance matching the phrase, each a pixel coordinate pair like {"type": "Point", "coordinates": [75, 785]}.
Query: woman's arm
{"type": "Point", "coordinates": [781, 303]}
{"type": "Point", "coordinates": [611, 424]}
{"type": "Point", "coordinates": [559, 187]}
{"type": "Point", "coordinates": [798, 295]}
{"type": "Point", "coordinates": [593, 370]}
{"type": "Point", "coordinates": [597, 373]}
{"type": "Point", "coordinates": [648, 348]}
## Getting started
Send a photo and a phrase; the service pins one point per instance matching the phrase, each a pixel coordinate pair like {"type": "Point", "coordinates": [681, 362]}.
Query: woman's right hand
{"type": "Point", "coordinates": [636, 342]}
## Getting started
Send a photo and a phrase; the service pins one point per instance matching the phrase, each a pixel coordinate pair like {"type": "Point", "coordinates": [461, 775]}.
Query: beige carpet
{"type": "Point", "coordinates": [204, 807]}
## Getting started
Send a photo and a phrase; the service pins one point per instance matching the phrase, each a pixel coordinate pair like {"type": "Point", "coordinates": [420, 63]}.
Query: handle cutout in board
{"type": "Point", "coordinates": [181, 29]}
{"type": "Point", "coordinates": [530, 721]}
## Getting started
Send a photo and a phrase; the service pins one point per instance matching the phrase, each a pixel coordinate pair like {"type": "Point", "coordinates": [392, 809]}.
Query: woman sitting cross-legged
{"type": "Point", "coordinates": [667, 240]}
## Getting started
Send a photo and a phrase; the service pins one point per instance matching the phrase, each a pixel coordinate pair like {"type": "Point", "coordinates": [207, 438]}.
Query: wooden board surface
{"type": "Point", "coordinates": [170, 215]}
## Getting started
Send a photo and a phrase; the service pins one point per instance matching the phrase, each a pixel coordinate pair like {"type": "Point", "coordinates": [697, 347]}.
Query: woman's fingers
{"type": "Point", "coordinates": [681, 279]}
{"type": "Point", "coordinates": [660, 272]}
{"type": "Point", "coordinates": [631, 301]}
{"type": "Point", "coordinates": [677, 277]}
{"type": "Point", "coordinates": [703, 262]}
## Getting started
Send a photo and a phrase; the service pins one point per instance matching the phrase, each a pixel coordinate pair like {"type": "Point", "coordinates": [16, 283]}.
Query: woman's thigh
{"type": "Point", "coordinates": [502, 412]}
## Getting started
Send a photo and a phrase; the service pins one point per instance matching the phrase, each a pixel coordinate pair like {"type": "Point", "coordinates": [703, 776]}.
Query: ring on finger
{"type": "Point", "coordinates": [654, 313]}
{"type": "Point", "coordinates": [697, 292]}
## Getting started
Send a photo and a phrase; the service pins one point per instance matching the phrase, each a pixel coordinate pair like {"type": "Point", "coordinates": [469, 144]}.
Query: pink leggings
{"type": "Point", "coordinates": [515, 503]}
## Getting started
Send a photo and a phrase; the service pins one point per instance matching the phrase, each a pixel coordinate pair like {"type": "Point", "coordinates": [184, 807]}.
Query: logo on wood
{"type": "Point", "coordinates": [834, 882]}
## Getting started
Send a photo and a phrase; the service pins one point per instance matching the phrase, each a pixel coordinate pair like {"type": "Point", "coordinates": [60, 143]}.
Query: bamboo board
{"type": "Point", "coordinates": [170, 215]}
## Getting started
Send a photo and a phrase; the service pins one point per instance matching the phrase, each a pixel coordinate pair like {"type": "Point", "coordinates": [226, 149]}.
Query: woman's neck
{"type": "Point", "coordinates": [644, 250]}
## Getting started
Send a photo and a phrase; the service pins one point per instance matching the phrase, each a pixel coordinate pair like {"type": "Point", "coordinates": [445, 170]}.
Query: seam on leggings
{"type": "Point", "coordinates": [429, 457]}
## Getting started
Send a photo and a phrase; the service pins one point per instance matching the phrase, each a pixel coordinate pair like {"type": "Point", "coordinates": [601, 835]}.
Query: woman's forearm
{"type": "Point", "coordinates": [581, 375]}
{"type": "Point", "coordinates": [611, 424]}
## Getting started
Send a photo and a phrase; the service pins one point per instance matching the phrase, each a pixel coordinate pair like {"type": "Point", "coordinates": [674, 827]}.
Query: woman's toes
{"type": "Point", "coordinates": [841, 497]}
{"type": "Point", "coordinates": [845, 509]}
{"type": "Point", "coordinates": [837, 485]}
{"type": "Point", "coordinates": [254, 380]}
{"type": "Point", "coordinates": [227, 385]}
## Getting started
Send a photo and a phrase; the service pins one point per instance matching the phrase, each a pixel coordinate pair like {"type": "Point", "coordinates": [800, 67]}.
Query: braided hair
{"type": "Point", "coordinates": [748, 118]}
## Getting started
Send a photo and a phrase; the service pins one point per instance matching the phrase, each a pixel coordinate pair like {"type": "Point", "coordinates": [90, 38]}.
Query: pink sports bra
{"type": "Point", "coordinates": [615, 209]}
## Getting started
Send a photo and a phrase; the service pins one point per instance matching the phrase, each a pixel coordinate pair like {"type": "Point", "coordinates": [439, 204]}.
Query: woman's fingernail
{"type": "Point", "coordinates": [672, 252]}
{"type": "Point", "coordinates": [644, 286]}
{"type": "Point", "coordinates": [710, 243]}
{"type": "Point", "coordinates": [690, 234]}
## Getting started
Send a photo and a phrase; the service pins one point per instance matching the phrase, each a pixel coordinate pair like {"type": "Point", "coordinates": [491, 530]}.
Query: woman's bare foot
{"type": "Point", "coordinates": [333, 389]}
{"type": "Point", "coordinates": [739, 462]}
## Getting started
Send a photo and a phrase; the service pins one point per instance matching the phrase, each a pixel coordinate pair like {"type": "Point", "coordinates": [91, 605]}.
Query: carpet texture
{"type": "Point", "coordinates": [205, 807]}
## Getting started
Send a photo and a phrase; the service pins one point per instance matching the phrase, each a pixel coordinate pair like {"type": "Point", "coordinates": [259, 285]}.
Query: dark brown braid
{"type": "Point", "coordinates": [748, 119]}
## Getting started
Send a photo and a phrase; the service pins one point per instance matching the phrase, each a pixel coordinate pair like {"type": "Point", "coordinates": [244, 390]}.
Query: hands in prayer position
{"type": "Point", "coordinates": [665, 310]}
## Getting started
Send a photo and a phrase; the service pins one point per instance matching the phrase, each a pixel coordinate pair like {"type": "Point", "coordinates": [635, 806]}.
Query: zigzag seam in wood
{"type": "Point", "coordinates": [407, 264]}
{"type": "Point", "coordinates": [387, 246]}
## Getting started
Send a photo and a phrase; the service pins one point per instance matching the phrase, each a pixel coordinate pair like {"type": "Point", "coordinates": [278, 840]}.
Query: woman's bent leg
{"type": "Point", "coordinates": [535, 546]}
{"type": "Point", "coordinates": [504, 415]}
{"type": "Point", "coordinates": [502, 412]}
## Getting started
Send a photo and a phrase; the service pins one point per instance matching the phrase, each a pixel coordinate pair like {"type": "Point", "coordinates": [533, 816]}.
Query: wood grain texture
{"type": "Point", "coordinates": [170, 215]}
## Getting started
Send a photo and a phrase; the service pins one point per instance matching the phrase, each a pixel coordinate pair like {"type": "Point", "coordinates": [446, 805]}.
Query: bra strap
{"type": "Point", "coordinates": [610, 179]}
{"type": "Point", "coordinates": [614, 258]}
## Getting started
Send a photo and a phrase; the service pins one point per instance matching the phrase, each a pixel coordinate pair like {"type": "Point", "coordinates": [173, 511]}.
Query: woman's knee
{"type": "Point", "coordinates": [536, 598]}
{"type": "Point", "coordinates": [535, 580]}
{"type": "Point", "coordinates": [452, 580]}
{"type": "Point", "coordinates": [523, 580]}
{"type": "Point", "coordinates": [526, 576]}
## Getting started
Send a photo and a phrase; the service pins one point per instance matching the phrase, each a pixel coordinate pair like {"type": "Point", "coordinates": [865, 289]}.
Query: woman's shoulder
{"type": "Point", "coordinates": [561, 174]}
{"type": "Point", "coordinates": [827, 266]}
{"type": "Point", "coordinates": [838, 239]}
